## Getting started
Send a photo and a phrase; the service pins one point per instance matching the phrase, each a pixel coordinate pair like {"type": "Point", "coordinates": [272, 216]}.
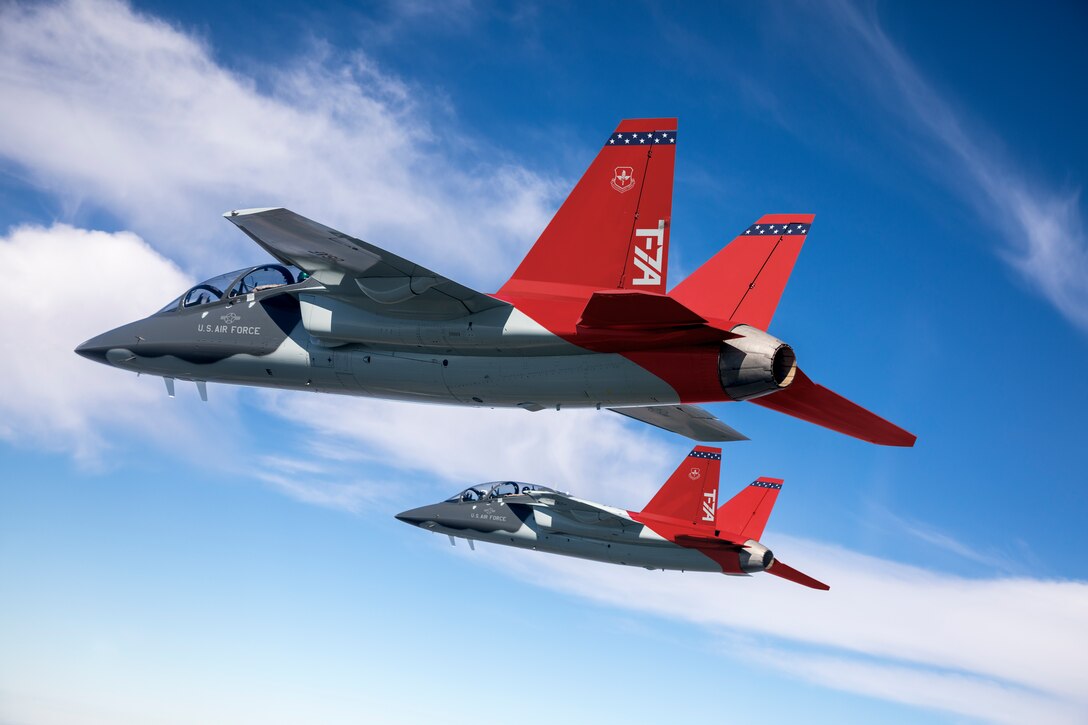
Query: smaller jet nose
{"type": "Point", "coordinates": [124, 337]}
{"type": "Point", "coordinates": [97, 347]}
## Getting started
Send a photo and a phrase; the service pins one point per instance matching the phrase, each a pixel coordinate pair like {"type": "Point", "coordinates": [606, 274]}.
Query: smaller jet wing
{"type": "Point", "coordinates": [687, 420]}
{"type": "Point", "coordinates": [584, 512]}
{"type": "Point", "coordinates": [350, 267]}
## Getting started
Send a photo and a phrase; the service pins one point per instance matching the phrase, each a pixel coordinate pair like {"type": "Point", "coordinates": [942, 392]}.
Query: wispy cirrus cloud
{"type": "Point", "coordinates": [113, 109]}
{"type": "Point", "coordinates": [1042, 227]}
{"type": "Point", "coordinates": [109, 109]}
{"type": "Point", "coordinates": [1004, 650]}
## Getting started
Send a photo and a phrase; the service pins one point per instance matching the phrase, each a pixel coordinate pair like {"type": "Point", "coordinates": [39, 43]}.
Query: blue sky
{"type": "Point", "coordinates": [237, 561]}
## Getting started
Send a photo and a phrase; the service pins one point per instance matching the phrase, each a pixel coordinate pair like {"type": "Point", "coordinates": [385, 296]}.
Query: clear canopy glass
{"type": "Point", "coordinates": [237, 283]}
{"type": "Point", "coordinates": [498, 489]}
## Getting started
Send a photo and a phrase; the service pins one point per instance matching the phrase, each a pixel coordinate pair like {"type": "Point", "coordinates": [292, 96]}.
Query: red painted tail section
{"type": "Point", "coordinates": [744, 281]}
{"type": "Point", "coordinates": [746, 513]}
{"type": "Point", "coordinates": [691, 493]}
{"type": "Point", "coordinates": [612, 232]}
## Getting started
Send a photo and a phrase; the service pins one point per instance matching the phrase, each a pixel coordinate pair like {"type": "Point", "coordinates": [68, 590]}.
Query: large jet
{"type": "Point", "coordinates": [584, 322]}
{"type": "Point", "coordinates": [682, 528]}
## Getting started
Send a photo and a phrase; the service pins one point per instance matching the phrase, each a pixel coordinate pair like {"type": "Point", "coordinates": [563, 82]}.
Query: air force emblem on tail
{"type": "Point", "coordinates": [649, 254]}
{"type": "Point", "coordinates": [624, 179]}
{"type": "Point", "coordinates": [710, 498]}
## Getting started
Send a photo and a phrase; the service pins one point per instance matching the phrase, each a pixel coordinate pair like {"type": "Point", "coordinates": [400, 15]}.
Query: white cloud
{"type": "Point", "coordinates": [106, 106]}
{"type": "Point", "coordinates": [586, 451]}
{"type": "Point", "coordinates": [67, 285]}
{"type": "Point", "coordinates": [996, 649]}
{"type": "Point", "coordinates": [961, 694]}
{"type": "Point", "coordinates": [1044, 230]}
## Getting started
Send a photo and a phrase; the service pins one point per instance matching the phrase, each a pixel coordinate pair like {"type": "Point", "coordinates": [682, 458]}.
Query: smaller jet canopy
{"type": "Point", "coordinates": [498, 489]}
{"type": "Point", "coordinates": [237, 283]}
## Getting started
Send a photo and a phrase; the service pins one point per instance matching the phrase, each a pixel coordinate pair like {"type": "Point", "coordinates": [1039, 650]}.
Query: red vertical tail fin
{"type": "Point", "coordinates": [744, 281]}
{"type": "Point", "coordinates": [691, 493]}
{"type": "Point", "coordinates": [746, 513]}
{"type": "Point", "coordinates": [612, 232]}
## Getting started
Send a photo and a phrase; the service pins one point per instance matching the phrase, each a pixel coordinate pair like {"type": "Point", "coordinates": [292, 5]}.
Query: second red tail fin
{"type": "Point", "coordinates": [744, 281]}
{"type": "Point", "coordinates": [691, 493]}
{"type": "Point", "coordinates": [612, 232]}
{"type": "Point", "coordinates": [746, 513]}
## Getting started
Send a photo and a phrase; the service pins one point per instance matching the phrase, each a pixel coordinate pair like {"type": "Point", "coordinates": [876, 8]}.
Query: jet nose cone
{"type": "Point", "coordinates": [415, 517]}
{"type": "Point", "coordinates": [121, 338]}
{"type": "Point", "coordinates": [96, 349]}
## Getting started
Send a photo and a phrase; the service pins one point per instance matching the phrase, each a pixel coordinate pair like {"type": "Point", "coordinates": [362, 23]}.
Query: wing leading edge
{"type": "Point", "coordinates": [351, 268]}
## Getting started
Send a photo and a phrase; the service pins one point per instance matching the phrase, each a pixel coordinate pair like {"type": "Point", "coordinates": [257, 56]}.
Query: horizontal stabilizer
{"type": "Point", "coordinates": [809, 401]}
{"type": "Point", "coordinates": [634, 309]}
{"type": "Point", "coordinates": [790, 574]}
{"type": "Point", "coordinates": [690, 421]}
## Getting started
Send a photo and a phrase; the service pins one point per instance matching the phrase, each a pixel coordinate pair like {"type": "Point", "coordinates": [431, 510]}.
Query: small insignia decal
{"type": "Point", "coordinates": [624, 180]}
{"type": "Point", "coordinates": [230, 318]}
{"type": "Point", "coordinates": [694, 475]}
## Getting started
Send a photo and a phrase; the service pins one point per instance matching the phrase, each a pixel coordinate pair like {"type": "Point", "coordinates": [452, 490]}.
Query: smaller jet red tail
{"type": "Point", "coordinates": [744, 281]}
{"type": "Point", "coordinates": [612, 232]}
{"type": "Point", "coordinates": [790, 574]}
{"type": "Point", "coordinates": [746, 513]}
{"type": "Point", "coordinates": [691, 493]}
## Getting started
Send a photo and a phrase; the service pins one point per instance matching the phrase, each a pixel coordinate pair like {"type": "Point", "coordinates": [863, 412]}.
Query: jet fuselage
{"type": "Point", "coordinates": [495, 358]}
{"type": "Point", "coordinates": [528, 522]}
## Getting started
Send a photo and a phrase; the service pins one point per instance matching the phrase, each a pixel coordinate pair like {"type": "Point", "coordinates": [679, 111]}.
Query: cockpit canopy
{"type": "Point", "coordinates": [498, 489]}
{"type": "Point", "coordinates": [236, 284]}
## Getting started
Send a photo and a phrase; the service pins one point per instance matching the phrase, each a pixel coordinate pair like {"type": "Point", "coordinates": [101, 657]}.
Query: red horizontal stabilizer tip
{"type": "Point", "coordinates": [809, 401]}
{"type": "Point", "coordinates": [634, 309]}
{"type": "Point", "coordinates": [790, 574]}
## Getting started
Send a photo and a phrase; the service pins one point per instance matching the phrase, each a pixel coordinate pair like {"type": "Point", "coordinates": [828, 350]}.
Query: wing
{"type": "Point", "coordinates": [690, 421]}
{"type": "Point", "coordinates": [351, 268]}
{"type": "Point", "coordinates": [581, 511]}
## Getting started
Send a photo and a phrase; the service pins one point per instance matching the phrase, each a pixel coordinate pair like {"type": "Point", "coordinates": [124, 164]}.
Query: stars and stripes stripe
{"type": "Point", "coordinates": [777, 229]}
{"type": "Point", "coordinates": [765, 484]}
{"type": "Point", "coordinates": [705, 454]}
{"type": "Point", "coordinates": [643, 138]}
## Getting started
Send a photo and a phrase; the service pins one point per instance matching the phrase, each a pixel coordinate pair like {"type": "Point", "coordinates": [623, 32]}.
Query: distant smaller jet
{"type": "Point", "coordinates": [682, 528]}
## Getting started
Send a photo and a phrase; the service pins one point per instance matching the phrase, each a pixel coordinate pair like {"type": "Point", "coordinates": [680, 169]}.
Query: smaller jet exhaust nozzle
{"type": "Point", "coordinates": [755, 364]}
